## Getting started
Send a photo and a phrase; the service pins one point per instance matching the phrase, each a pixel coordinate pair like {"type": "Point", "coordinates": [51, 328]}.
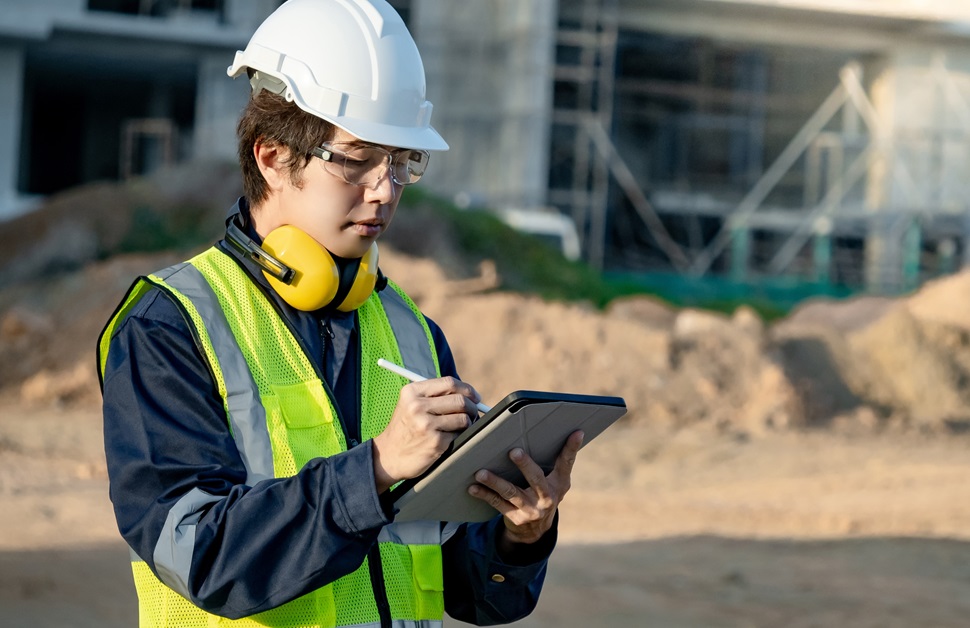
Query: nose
{"type": "Point", "coordinates": [384, 189]}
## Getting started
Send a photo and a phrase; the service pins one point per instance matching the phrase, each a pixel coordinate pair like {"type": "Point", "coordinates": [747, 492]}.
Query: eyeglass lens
{"type": "Point", "coordinates": [366, 165]}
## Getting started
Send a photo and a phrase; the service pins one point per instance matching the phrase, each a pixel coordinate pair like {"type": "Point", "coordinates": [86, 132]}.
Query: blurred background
{"type": "Point", "coordinates": [793, 146]}
{"type": "Point", "coordinates": [749, 218]}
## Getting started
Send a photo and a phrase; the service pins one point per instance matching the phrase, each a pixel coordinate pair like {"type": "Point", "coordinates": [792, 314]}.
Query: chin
{"type": "Point", "coordinates": [353, 252]}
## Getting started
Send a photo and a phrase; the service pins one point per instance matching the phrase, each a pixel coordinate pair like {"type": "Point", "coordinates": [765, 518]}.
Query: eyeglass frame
{"type": "Point", "coordinates": [326, 151]}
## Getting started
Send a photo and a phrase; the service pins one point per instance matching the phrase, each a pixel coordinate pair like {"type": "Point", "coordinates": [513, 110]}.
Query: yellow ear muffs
{"type": "Point", "coordinates": [364, 281]}
{"type": "Point", "coordinates": [316, 278]}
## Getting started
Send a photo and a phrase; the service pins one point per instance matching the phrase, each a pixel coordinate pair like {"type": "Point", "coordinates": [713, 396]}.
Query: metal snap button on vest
{"type": "Point", "coordinates": [498, 578]}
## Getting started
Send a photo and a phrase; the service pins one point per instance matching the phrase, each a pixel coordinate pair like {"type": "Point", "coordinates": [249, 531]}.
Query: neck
{"type": "Point", "coordinates": [263, 216]}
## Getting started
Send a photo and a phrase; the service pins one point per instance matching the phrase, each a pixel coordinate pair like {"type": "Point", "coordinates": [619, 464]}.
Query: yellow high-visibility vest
{"type": "Point", "coordinates": [281, 415]}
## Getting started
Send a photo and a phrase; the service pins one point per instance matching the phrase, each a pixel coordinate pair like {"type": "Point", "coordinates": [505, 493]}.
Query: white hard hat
{"type": "Point", "coordinates": [350, 62]}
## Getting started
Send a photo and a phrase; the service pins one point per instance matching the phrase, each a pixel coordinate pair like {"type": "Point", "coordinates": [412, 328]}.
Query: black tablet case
{"type": "Point", "coordinates": [538, 422]}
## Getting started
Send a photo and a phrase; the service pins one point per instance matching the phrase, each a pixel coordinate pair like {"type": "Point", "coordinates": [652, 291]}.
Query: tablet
{"type": "Point", "coordinates": [538, 422]}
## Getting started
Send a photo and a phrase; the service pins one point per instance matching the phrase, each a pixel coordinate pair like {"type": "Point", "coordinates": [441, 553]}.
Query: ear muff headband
{"type": "Point", "coordinates": [304, 273]}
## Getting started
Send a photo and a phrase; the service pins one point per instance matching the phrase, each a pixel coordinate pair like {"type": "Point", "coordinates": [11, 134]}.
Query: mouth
{"type": "Point", "coordinates": [368, 228]}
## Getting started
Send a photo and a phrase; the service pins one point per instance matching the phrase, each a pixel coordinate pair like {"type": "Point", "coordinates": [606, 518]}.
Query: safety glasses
{"type": "Point", "coordinates": [365, 164]}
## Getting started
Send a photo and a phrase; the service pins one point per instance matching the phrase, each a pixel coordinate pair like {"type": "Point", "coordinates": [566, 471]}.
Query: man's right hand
{"type": "Point", "coordinates": [428, 417]}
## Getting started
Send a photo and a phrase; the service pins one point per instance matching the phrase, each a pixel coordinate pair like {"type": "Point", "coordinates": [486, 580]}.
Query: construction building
{"type": "Point", "coordinates": [821, 141]}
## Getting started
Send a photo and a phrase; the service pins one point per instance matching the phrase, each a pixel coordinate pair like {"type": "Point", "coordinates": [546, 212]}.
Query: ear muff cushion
{"type": "Point", "coordinates": [316, 278]}
{"type": "Point", "coordinates": [364, 281]}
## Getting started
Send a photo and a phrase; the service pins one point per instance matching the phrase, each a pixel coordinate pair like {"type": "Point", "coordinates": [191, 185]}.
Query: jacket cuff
{"type": "Point", "coordinates": [358, 498]}
{"type": "Point", "coordinates": [524, 554]}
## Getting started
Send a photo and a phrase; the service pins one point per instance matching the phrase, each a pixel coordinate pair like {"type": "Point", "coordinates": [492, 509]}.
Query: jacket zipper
{"type": "Point", "coordinates": [299, 340]}
{"type": "Point", "coordinates": [351, 432]}
{"type": "Point", "coordinates": [357, 377]}
{"type": "Point", "coordinates": [374, 564]}
{"type": "Point", "coordinates": [375, 568]}
{"type": "Point", "coordinates": [377, 583]}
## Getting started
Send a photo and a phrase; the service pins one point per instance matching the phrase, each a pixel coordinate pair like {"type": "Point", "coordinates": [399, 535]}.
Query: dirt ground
{"type": "Point", "coordinates": [810, 472]}
{"type": "Point", "coordinates": [696, 529]}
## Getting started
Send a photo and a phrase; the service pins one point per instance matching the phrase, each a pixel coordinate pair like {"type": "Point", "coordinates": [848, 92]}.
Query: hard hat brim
{"type": "Point", "coordinates": [392, 136]}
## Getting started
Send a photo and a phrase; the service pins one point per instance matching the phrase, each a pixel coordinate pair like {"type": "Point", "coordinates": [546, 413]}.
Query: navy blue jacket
{"type": "Point", "coordinates": [165, 433]}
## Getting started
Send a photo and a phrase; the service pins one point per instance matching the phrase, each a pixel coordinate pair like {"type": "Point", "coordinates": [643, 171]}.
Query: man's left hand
{"type": "Point", "coordinates": [529, 512]}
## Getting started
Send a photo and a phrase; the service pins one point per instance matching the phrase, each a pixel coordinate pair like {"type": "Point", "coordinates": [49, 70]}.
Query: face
{"type": "Point", "coordinates": [346, 219]}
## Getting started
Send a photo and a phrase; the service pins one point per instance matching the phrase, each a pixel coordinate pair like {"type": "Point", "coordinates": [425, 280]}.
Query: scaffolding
{"type": "Point", "coordinates": [585, 160]}
{"type": "Point", "coordinates": [585, 69]}
{"type": "Point", "coordinates": [859, 183]}
{"type": "Point", "coordinates": [846, 197]}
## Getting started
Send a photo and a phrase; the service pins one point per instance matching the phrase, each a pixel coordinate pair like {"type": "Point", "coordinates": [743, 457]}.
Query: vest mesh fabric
{"type": "Point", "coordinates": [289, 388]}
{"type": "Point", "coordinates": [301, 422]}
{"type": "Point", "coordinates": [379, 391]}
{"type": "Point", "coordinates": [419, 567]}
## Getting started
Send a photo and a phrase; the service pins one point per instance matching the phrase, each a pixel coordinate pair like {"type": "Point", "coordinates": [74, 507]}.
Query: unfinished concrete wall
{"type": "Point", "coordinates": [488, 66]}
{"type": "Point", "coordinates": [12, 69]}
{"type": "Point", "coordinates": [923, 100]}
{"type": "Point", "coordinates": [921, 95]}
{"type": "Point", "coordinates": [219, 102]}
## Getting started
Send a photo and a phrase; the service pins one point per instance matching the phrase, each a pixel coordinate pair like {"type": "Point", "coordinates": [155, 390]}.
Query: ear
{"type": "Point", "coordinates": [270, 158]}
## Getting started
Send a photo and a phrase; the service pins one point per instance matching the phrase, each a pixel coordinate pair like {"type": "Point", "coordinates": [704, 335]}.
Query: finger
{"type": "Point", "coordinates": [492, 498]}
{"type": "Point", "coordinates": [567, 457]}
{"type": "Point", "coordinates": [440, 386]}
{"type": "Point", "coordinates": [455, 422]}
{"type": "Point", "coordinates": [452, 404]}
{"type": "Point", "coordinates": [531, 471]}
{"type": "Point", "coordinates": [444, 440]}
{"type": "Point", "coordinates": [503, 489]}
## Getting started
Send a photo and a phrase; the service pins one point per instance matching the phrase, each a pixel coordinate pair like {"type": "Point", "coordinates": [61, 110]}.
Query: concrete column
{"type": "Point", "coordinates": [884, 254]}
{"type": "Point", "coordinates": [488, 67]}
{"type": "Point", "coordinates": [219, 102]}
{"type": "Point", "coordinates": [912, 255]}
{"type": "Point", "coordinates": [965, 258]}
{"type": "Point", "coordinates": [946, 251]}
{"type": "Point", "coordinates": [740, 253]}
{"type": "Point", "coordinates": [822, 253]}
{"type": "Point", "coordinates": [11, 111]}
{"type": "Point", "coordinates": [219, 99]}
{"type": "Point", "coordinates": [919, 96]}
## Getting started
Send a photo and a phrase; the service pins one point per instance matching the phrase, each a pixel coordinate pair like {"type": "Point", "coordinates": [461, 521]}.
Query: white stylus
{"type": "Point", "coordinates": [414, 377]}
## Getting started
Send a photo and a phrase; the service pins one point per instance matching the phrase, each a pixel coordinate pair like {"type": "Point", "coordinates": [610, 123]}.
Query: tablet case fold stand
{"type": "Point", "coordinates": [539, 423]}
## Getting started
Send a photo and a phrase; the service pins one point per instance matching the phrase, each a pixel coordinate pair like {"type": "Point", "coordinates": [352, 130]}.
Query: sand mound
{"type": "Point", "coordinates": [867, 363]}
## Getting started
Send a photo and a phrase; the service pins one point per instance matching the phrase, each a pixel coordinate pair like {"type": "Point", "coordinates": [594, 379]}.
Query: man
{"type": "Point", "coordinates": [250, 437]}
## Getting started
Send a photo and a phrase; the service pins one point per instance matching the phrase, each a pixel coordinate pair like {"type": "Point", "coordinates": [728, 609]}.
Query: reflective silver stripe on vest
{"type": "Point", "coordinates": [401, 623]}
{"type": "Point", "coordinates": [411, 338]}
{"type": "Point", "coordinates": [176, 543]}
{"type": "Point", "coordinates": [247, 417]}
{"type": "Point", "coordinates": [411, 533]}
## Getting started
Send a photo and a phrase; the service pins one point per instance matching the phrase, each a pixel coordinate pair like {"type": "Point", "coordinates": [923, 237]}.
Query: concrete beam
{"type": "Point", "coordinates": [925, 10]}
{"type": "Point", "coordinates": [763, 23]}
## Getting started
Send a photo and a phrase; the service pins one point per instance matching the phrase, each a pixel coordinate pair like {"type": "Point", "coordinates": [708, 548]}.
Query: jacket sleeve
{"type": "Point", "coordinates": [177, 482]}
{"type": "Point", "coordinates": [481, 587]}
